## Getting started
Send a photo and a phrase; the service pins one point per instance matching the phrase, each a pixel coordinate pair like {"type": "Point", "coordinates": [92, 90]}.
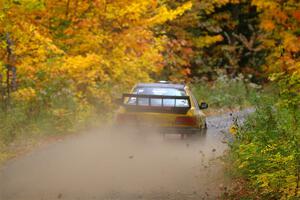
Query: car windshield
{"type": "Point", "coordinates": [158, 101]}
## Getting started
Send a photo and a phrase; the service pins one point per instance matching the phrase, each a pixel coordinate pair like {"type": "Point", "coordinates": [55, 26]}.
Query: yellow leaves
{"type": "Point", "coordinates": [282, 179]}
{"type": "Point", "coordinates": [269, 148]}
{"type": "Point", "coordinates": [132, 11]}
{"type": "Point", "coordinates": [2, 66]}
{"type": "Point", "coordinates": [24, 95]}
{"type": "Point", "coordinates": [87, 74]}
{"type": "Point", "coordinates": [140, 13]}
{"type": "Point", "coordinates": [278, 158]}
{"type": "Point", "coordinates": [2, 16]}
{"type": "Point", "coordinates": [288, 185]}
{"type": "Point", "coordinates": [265, 4]}
{"type": "Point", "coordinates": [85, 48]}
{"type": "Point", "coordinates": [108, 43]}
{"type": "Point", "coordinates": [290, 191]}
{"type": "Point", "coordinates": [268, 43]}
{"type": "Point", "coordinates": [263, 180]}
{"type": "Point", "coordinates": [206, 41]}
{"type": "Point", "coordinates": [290, 42]}
{"type": "Point", "coordinates": [233, 129]}
{"type": "Point", "coordinates": [32, 47]}
{"type": "Point", "coordinates": [84, 69]}
{"type": "Point", "coordinates": [179, 11]}
{"type": "Point", "coordinates": [295, 69]}
{"type": "Point", "coordinates": [224, 2]}
{"type": "Point", "coordinates": [164, 14]}
{"type": "Point", "coordinates": [243, 165]}
{"type": "Point", "coordinates": [47, 43]}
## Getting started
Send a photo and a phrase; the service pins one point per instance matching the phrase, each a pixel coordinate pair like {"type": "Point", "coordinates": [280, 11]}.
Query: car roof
{"type": "Point", "coordinates": [161, 85]}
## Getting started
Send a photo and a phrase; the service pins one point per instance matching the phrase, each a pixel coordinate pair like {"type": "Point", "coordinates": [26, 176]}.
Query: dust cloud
{"type": "Point", "coordinates": [119, 164]}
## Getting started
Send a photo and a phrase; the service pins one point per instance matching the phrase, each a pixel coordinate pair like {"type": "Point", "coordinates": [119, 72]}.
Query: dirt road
{"type": "Point", "coordinates": [117, 166]}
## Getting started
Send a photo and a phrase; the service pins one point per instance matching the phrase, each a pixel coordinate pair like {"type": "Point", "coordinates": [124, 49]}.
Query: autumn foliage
{"type": "Point", "coordinates": [266, 151]}
{"type": "Point", "coordinates": [67, 59]}
{"type": "Point", "coordinates": [62, 62]}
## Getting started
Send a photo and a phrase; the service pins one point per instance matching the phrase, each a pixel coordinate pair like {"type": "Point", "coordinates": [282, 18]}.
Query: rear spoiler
{"type": "Point", "coordinates": [148, 106]}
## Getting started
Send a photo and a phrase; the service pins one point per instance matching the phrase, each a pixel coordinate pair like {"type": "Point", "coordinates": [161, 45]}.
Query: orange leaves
{"type": "Point", "coordinates": [296, 15]}
{"type": "Point", "coordinates": [281, 16]}
{"type": "Point", "coordinates": [267, 25]}
{"type": "Point", "coordinates": [281, 23]}
{"type": "Point", "coordinates": [186, 71]}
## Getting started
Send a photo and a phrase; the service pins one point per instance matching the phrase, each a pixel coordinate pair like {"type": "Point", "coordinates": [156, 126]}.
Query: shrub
{"type": "Point", "coordinates": [226, 92]}
{"type": "Point", "coordinates": [266, 150]}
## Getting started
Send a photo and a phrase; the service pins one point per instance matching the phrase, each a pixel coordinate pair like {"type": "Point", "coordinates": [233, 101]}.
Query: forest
{"type": "Point", "coordinates": [63, 62]}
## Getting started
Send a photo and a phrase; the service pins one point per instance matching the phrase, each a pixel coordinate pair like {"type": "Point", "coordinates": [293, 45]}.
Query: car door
{"type": "Point", "coordinates": [198, 113]}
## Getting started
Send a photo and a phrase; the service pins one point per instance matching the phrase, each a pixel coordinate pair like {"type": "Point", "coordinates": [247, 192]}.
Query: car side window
{"type": "Point", "coordinates": [195, 101]}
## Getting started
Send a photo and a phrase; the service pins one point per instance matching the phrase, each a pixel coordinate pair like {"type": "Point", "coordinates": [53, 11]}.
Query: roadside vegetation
{"type": "Point", "coordinates": [227, 94]}
{"type": "Point", "coordinates": [265, 152]}
{"type": "Point", "coordinates": [62, 63]}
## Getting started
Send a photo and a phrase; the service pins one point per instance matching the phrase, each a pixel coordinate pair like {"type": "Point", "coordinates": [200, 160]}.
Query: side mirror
{"type": "Point", "coordinates": [203, 105]}
{"type": "Point", "coordinates": [118, 101]}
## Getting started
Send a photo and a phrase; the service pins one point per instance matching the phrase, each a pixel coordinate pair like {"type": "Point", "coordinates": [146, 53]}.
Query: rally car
{"type": "Point", "coordinates": [172, 108]}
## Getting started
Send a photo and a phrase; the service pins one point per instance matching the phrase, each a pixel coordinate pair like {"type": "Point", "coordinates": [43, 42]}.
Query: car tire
{"type": "Point", "coordinates": [204, 129]}
{"type": "Point", "coordinates": [205, 125]}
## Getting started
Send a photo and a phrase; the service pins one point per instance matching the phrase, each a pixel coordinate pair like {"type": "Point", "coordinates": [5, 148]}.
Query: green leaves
{"type": "Point", "coordinates": [267, 150]}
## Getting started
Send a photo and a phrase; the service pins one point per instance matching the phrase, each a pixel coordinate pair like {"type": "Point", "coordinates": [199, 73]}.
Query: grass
{"type": "Point", "coordinates": [226, 93]}
{"type": "Point", "coordinates": [24, 125]}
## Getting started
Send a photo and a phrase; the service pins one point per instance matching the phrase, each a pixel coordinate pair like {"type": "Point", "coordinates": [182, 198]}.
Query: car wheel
{"type": "Point", "coordinates": [205, 125]}
{"type": "Point", "coordinates": [204, 129]}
